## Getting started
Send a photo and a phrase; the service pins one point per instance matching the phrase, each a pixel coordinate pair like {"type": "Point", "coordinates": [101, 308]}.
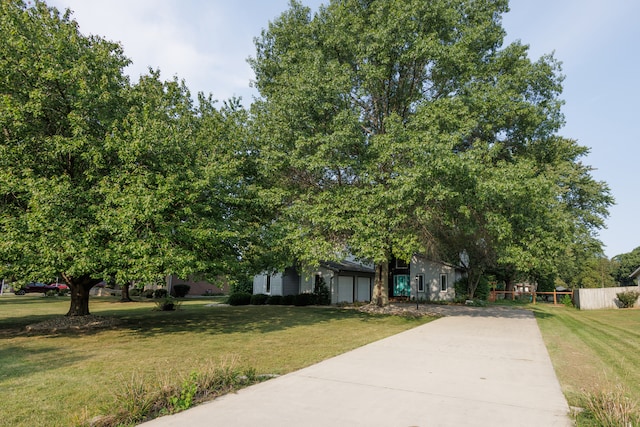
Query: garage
{"type": "Point", "coordinates": [345, 289]}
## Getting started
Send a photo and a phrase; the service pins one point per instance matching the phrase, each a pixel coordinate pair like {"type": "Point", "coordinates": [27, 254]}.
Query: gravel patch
{"type": "Point", "coordinates": [440, 310]}
{"type": "Point", "coordinates": [66, 323]}
{"type": "Point", "coordinates": [404, 310]}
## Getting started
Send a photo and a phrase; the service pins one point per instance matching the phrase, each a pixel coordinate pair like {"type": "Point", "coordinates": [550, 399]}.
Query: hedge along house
{"type": "Point", "coordinates": [347, 281]}
{"type": "Point", "coordinates": [350, 281]}
{"type": "Point", "coordinates": [429, 280]}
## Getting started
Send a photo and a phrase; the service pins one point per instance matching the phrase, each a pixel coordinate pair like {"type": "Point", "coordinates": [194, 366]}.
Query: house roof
{"type": "Point", "coordinates": [344, 266]}
{"type": "Point", "coordinates": [635, 274]}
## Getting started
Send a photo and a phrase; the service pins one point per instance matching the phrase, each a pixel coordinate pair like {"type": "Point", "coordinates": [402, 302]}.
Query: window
{"type": "Point", "coordinates": [401, 263]}
{"type": "Point", "coordinates": [420, 278]}
{"type": "Point", "coordinates": [268, 286]}
{"type": "Point", "coordinates": [443, 283]}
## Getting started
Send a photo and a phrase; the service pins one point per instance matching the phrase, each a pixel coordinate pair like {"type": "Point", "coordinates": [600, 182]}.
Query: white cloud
{"type": "Point", "coordinates": [194, 41]}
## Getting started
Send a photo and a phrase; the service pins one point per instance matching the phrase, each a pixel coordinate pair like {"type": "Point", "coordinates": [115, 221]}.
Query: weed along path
{"type": "Point", "coordinates": [473, 367]}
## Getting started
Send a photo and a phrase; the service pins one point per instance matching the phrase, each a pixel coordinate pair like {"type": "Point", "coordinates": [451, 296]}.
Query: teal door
{"type": "Point", "coordinates": [401, 285]}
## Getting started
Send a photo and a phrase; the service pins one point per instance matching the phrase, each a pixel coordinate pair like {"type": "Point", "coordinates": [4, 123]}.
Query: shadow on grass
{"type": "Point", "coordinates": [16, 361]}
{"type": "Point", "coordinates": [545, 312]}
{"type": "Point", "coordinates": [232, 320]}
{"type": "Point", "coordinates": [140, 318]}
{"type": "Point", "coordinates": [10, 299]}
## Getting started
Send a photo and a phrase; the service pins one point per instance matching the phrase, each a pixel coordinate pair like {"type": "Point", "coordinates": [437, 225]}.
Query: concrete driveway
{"type": "Point", "coordinates": [473, 367]}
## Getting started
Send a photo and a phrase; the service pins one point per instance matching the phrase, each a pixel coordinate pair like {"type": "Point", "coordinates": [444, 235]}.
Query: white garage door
{"type": "Point", "coordinates": [345, 289]}
{"type": "Point", "coordinates": [364, 289]}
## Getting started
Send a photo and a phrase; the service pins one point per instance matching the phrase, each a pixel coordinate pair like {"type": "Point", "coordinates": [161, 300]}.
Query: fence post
{"type": "Point", "coordinates": [555, 302]}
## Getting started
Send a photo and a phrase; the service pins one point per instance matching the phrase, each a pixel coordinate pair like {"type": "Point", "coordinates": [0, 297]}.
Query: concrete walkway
{"type": "Point", "coordinates": [474, 367]}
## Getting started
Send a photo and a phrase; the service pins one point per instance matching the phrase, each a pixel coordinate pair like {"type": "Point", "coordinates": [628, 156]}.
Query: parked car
{"type": "Point", "coordinates": [34, 287]}
{"type": "Point", "coordinates": [60, 286]}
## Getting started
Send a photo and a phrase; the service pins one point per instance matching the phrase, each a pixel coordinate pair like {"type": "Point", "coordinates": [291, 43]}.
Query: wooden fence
{"type": "Point", "coordinates": [596, 298]}
{"type": "Point", "coordinates": [493, 295]}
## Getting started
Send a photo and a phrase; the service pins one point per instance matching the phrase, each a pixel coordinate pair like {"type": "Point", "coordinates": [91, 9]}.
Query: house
{"type": "Point", "coordinates": [636, 275]}
{"type": "Point", "coordinates": [199, 287]}
{"type": "Point", "coordinates": [351, 280]}
{"type": "Point", "coordinates": [433, 280]}
{"type": "Point", "coordinates": [348, 281]}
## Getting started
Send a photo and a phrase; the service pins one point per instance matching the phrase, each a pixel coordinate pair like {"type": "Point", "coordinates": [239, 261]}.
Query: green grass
{"type": "Point", "coordinates": [593, 352]}
{"type": "Point", "coordinates": [61, 378]}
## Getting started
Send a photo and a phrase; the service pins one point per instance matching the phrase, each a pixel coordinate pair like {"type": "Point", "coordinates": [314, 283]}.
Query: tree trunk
{"type": "Point", "coordinates": [79, 288]}
{"type": "Point", "coordinates": [381, 285]}
{"type": "Point", "coordinates": [125, 297]}
{"type": "Point", "coordinates": [473, 282]}
{"type": "Point", "coordinates": [508, 286]}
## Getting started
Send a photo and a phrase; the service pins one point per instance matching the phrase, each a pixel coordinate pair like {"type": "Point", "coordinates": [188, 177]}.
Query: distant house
{"type": "Point", "coordinates": [351, 280]}
{"type": "Point", "coordinates": [199, 287]}
{"type": "Point", "coordinates": [636, 276]}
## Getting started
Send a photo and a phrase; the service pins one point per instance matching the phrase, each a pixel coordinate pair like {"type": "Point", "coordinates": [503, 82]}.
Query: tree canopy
{"type": "Point", "coordinates": [104, 179]}
{"type": "Point", "coordinates": [383, 129]}
{"type": "Point", "coordinates": [393, 128]}
{"type": "Point", "coordinates": [624, 265]}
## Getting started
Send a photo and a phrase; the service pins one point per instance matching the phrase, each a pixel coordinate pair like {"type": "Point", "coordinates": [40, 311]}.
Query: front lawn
{"type": "Point", "coordinates": [66, 378]}
{"type": "Point", "coordinates": [596, 355]}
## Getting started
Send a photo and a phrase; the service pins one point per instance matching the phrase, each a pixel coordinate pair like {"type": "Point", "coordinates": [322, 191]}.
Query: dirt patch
{"type": "Point", "coordinates": [65, 323]}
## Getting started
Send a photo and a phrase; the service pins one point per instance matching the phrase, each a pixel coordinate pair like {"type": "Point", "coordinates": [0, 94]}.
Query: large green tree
{"type": "Point", "coordinates": [624, 265]}
{"type": "Point", "coordinates": [179, 199]}
{"type": "Point", "coordinates": [102, 179]}
{"type": "Point", "coordinates": [401, 127]}
{"type": "Point", "coordinates": [61, 93]}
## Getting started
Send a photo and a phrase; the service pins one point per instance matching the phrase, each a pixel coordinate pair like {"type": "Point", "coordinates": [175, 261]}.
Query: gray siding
{"type": "Point", "coordinates": [290, 282]}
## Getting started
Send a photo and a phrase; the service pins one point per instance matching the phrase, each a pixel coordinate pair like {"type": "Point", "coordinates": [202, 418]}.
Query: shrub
{"type": "Point", "coordinates": [135, 292]}
{"type": "Point", "coordinates": [482, 291]}
{"type": "Point", "coordinates": [275, 300]}
{"type": "Point", "coordinates": [160, 293]}
{"type": "Point", "coordinates": [567, 301]}
{"type": "Point", "coordinates": [321, 292]}
{"type": "Point", "coordinates": [288, 299]}
{"type": "Point", "coordinates": [301, 300]}
{"type": "Point", "coordinates": [148, 293]}
{"type": "Point", "coordinates": [180, 290]}
{"type": "Point", "coordinates": [240, 298]}
{"type": "Point", "coordinates": [258, 299]}
{"type": "Point", "coordinates": [242, 284]}
{"type": "Point", "coordinates": [167, 304]}
{"type": "Point", "coordinates": [461, 287]}
{"type": "Point", "coordinates": [628, 299]}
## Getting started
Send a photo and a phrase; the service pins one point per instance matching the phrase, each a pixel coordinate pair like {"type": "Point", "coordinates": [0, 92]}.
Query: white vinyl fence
{"type": "Point", "coordinates": [596, 298]}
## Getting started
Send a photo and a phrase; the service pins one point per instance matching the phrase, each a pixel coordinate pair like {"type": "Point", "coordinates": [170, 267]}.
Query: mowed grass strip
{"type": "Point", "coordinates": [56, 379]}
{"type": "Point", "coordinates": [592, 350]}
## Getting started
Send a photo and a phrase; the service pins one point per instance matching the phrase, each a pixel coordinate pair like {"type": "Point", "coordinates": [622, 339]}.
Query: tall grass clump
{"type": "Point", "coordinates": [610, 406]}
{"type": "Point", "coordinates": [139, 398]}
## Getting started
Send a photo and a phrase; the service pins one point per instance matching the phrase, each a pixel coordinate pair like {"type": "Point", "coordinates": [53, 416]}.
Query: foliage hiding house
{"type": "Point", "coordinates": [350, 281]}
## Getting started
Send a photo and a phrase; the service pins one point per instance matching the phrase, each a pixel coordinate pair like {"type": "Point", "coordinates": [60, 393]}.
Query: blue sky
{"type": "Point", "coordinates": [207, 42]}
